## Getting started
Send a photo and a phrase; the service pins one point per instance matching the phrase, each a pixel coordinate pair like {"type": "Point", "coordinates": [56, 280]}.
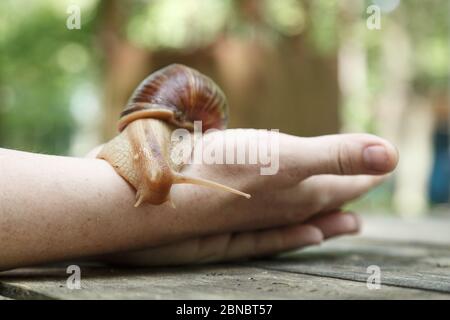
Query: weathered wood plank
{"type": "Point", "coordinates": [405, 264]}
{"type": "Point", "coordinates": [201, 282]}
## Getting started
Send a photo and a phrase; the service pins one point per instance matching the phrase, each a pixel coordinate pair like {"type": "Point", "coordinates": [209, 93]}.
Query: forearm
{"type": "Point", "coordinates": [55, 208]}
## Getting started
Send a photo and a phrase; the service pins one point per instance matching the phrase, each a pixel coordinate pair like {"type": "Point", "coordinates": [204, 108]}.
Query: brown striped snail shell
{"type": "Point", "coordinates": [170, 98]}
{"type": "Point", "coordinates": [179, 95]}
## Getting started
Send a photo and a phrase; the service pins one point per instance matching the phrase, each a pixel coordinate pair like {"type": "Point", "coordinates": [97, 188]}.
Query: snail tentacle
{"type": "Point", "coordinates": [181, 179]}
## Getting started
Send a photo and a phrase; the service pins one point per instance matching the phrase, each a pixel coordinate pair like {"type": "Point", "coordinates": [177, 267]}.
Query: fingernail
{"type": "Point", "coordinates": [376, 158]}
{"type": "Point", "coordinates": [350, 221]}
{"type": "Point", "coordinates": [357, 222]}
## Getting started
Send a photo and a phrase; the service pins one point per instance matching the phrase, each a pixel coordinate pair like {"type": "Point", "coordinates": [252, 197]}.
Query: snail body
{"type": "Point", "coordinates": [173, 97]}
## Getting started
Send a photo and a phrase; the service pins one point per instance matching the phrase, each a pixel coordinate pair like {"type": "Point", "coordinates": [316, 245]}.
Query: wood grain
{"type": "Point", "coordinates": [405, 264]}
{"type": "Point", "coordinates": [201, 282]}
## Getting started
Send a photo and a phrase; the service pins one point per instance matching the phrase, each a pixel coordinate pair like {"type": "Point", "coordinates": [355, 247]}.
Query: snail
{"type": "Point", "coordinates": [173, 97]}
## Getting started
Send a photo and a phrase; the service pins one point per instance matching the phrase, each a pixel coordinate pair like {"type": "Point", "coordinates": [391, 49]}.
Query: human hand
{"type": "Point", "coordinates": [294, 208]}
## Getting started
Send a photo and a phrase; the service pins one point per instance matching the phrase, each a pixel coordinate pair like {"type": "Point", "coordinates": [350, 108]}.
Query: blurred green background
{"type": "Point", "coordinates": [306, 67]}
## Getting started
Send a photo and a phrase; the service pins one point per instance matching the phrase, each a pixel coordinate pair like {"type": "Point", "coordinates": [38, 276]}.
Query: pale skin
{"type": "Point", "coordinates": [55, 208]}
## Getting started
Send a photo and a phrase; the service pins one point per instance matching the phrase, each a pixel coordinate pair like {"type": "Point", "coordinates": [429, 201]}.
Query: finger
{"type": "Point", "coordinates": [342, 154]}
{"type": "Point", "coordinates": [277, 240]}
{"type": "Point", "coordinates": [267, 242]}
{"type": "Point", "coordinates": [329, 191]}
{"type": "Point", "coordinates": [335, 191]}
{"type": "Point", "coordinates": [223, 247]}
{"type": "Point", "coordinates": [323, 193]}
{"type": "Point", "coordinates": [337, 223]}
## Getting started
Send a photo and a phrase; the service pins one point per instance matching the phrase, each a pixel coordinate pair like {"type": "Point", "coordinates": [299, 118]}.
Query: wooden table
{"type": "Point", "coordinates": [413, 257]}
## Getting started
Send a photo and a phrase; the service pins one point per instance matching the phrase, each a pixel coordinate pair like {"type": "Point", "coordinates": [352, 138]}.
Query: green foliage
{"type": "Point", "coordinates": [324, 25]}
{"type": "Point", "coordinates": [41, 62]}
{"type": "Point", "coordinates": [175, 24]}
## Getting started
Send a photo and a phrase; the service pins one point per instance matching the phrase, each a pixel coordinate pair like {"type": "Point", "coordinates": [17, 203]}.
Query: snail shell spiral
{"type": "Point", "coordinates": [179, 95]}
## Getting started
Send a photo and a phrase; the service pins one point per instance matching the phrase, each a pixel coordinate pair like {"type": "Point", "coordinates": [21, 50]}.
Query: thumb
{"type": "Point", "coordinates": [347, 154]}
